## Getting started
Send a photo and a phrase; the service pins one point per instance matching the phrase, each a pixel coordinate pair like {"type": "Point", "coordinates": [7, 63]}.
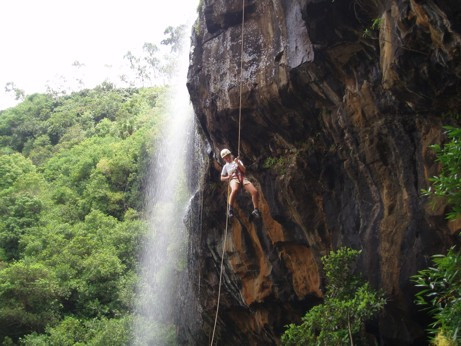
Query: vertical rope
{"type": "Point", "coordinates": [241, 76]}
{"type": "Point", "coordinates": [228, 188]}
{"type": "Point", "coordinates": [222, 265]}
{"type": "Point", "coordinates": [200, 232]}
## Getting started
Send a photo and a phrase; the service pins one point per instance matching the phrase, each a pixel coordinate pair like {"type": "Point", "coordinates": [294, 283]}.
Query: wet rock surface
{"type": "Point", "coordinates": [337, 117]}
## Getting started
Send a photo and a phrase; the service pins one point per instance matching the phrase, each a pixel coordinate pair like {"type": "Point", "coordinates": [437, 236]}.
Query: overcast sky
{"type": "Point", "coordinates": [40, 39]}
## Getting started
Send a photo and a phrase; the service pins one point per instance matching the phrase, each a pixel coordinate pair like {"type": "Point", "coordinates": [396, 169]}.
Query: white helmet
{"type": "Point", "coordinates": [225, 152]}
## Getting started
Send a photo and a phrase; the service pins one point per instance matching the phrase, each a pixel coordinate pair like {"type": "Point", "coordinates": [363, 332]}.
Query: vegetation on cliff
{"type": "Point", "coordinates": [349, 302]}
{"type": "Point", "coordinates": [441, 283]}
{"type": "Point", "coordinates": [72, 170]}
{"type": "Point", "coordinates": [340, 319]}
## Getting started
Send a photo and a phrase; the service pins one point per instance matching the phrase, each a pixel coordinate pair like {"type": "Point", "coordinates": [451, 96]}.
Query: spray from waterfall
{"type": "Point", "coordinates": [168, 193]}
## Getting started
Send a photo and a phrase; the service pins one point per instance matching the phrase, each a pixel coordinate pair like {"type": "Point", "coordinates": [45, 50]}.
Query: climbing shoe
{"type": "Point", "coordinates": [230, 212]}
{"type": "Point", "coordinates": [256, 214]}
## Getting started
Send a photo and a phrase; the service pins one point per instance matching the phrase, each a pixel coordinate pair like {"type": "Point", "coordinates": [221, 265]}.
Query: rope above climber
{"type": "Point", "coordinates": [234, 166]}
{"type": "Point", "coordinates": [234, 173]}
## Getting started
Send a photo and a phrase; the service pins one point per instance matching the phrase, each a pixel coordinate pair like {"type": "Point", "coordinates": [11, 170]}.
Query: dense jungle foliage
{"type": "Point", "coordinates": [72, 171]}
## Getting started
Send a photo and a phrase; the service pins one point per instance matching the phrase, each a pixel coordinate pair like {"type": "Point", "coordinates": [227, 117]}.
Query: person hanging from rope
{"type": "Point", "coordinates": [234, 172]}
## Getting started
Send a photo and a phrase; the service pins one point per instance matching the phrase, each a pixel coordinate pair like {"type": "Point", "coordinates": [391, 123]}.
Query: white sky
{"type": "Point", "coordinates": [40, 39]}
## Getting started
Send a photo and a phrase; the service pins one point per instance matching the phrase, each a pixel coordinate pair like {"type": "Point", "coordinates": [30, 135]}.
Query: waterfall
{"type": "Point", "coordinates": [163, 258]}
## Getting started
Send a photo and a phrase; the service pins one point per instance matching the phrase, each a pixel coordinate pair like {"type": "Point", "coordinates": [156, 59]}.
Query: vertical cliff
{"type": "Point", "coordinates": [337, 118]}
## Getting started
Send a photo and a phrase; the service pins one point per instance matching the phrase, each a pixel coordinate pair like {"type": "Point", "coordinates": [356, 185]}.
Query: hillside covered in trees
{"type": "Point", "coordinates": [72, 172]}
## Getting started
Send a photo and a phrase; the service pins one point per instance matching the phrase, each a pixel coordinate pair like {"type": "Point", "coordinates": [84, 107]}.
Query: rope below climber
{"type": "Point", "coordinates": [226, 155]}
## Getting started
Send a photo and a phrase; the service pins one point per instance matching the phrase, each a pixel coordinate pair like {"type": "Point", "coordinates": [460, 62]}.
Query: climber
{"type": "Point", "coordinates": [234, 172]}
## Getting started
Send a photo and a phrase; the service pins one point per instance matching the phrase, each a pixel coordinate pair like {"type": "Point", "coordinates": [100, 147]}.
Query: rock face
{"type": "Point", "coordinates": [337, 116]}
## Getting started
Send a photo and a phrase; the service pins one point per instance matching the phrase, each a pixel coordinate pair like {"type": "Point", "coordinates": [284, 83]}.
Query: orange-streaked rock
{"type": "Point", "coordinates": [335, 132]}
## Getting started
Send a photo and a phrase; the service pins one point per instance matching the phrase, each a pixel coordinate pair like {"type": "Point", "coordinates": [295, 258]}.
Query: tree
{"type": "Point", "coordinates": [174, 38]}
{"type": "Point", "coordinates": [22, 200]}
{"type": "Point", "coordinates": [349, 302]}
{"type": "Point", "coordinates": [440, 284]}
{"type": "Point", "coordinates": [441, 294]}
{"type": "Point", "coordinates": [19, 94]}
{"type": "Point", "coordinates": [73, 331]}
{"type": "Point", "coordinates": [30, 298]}
{"type": "Point", "coordinates": [79, 76]}
{"type": "Point", "coordinates": [137, 66]}
{"type": "Point", "coordinates": [151, 51]}
{"type": "Point", "coordinates": [155, 64]}
{"type": "Point", "coordinates": [25, 121]}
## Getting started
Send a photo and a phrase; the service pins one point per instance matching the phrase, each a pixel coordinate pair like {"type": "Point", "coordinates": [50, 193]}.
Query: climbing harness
{"type": "Point", "coordinates": [239, 175]}
{"type": "Point", "coordinates": [228, 185]}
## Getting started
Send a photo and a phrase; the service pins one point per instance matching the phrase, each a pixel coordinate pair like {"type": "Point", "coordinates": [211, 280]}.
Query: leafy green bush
{"type": "Point", "coordinates": [441, 294]}
{"type": "Point", "coordinates": [23, 197]}
{"type": "Point", "coordinates": [440, 284]}
{"type": "Point", "coordinates": [448, 183]}
{"type": "Point", "coordinates": [73, 331]}
{"type": "Point", "coordinates": [30, 297]}
{"type": "Point", "coordinates": [349, 302]}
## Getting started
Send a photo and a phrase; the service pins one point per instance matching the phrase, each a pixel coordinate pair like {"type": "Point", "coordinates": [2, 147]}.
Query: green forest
{"type": "Point", "coordinates": [73, 170]}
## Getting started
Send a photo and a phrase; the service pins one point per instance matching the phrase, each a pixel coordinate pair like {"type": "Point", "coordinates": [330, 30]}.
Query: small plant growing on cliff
{"type": "Point", "coordinates": [448, 183]}
{"type": "Point", "coordinates": [349, 302]}
{"type": "Point", "coordinates": [375, 25]}
{"type": "Point", "coordinates": [277, 163]}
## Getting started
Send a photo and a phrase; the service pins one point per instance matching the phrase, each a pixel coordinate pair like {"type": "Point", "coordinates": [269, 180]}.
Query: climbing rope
{"type": "Point", "coordinates": [228, 185]}
{"type": "Point", "coordinates": [222, 265]}
{"type": "Point", "coordinates": [200, 232]}
{"type": "Point", "coordinates": [241, 77]}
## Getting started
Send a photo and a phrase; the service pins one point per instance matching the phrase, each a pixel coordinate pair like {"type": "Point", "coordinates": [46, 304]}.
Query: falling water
{"type": "Point", "coordinates": [168, 195]}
